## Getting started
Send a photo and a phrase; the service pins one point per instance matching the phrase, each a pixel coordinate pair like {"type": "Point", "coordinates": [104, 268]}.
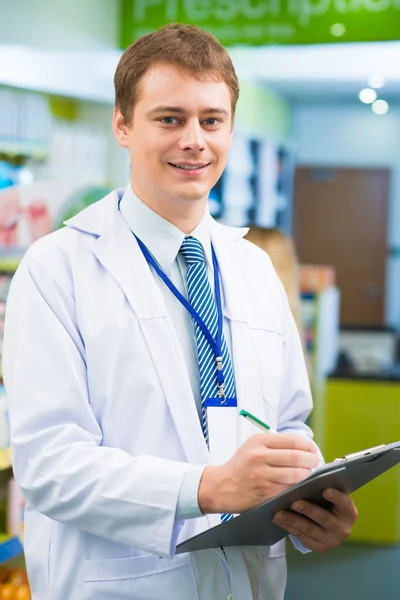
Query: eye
{"type": "Point", "coordinates": [212, 122]}
{"type": "Point", "coordinates": [168, 120]}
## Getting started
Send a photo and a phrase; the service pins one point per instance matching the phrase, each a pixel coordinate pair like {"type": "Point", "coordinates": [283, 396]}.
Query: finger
{"type": "Point", "coordinates": [287, 475]}
{"type": "Point", "coordinates": [304, 527]}
{"type": "Point", "coordinates": [323, 517]}
{"type": "Point", "coordinates": [343, 504]}
{"type": "Point", "coordinates": [292, 458]}
{"type": "Point", "coordinates": [306, 541]}
{"type": "Point", "coordinates": [288, 441]}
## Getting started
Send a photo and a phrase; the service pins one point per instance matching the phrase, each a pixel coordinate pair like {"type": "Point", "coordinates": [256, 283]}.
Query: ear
{"type": "Point", "coordinates": [120, 128]}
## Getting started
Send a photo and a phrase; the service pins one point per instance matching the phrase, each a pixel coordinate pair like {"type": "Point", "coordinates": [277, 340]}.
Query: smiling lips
{"type": "Point", "coordinates": [190, 168]}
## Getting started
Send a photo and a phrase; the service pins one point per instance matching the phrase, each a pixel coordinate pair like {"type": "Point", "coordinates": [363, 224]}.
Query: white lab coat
{"type": "Point", "coordinates": [104, 422]}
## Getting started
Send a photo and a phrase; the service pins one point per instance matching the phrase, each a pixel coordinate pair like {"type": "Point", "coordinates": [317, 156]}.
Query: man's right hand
{"type": "Point", "coordinates": [264, 466]}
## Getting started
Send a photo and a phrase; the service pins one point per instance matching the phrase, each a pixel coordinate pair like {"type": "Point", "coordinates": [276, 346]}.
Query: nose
{"type": "Point", "coordinates": [192, 137]}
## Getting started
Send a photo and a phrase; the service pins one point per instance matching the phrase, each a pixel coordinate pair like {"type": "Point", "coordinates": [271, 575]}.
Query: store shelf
{"type": "Point", "coordinates": [5, 458]}
{"type": "Point", "coordinates": [9, 264]}
{"type": "Point", "coordinates": [10, 547]}
{"type": "Point", "coordinates": [14, 149]}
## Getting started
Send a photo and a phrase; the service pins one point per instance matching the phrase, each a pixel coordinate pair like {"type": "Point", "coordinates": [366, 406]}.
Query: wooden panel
{"type": "Point", "coordinates": [340, 219]}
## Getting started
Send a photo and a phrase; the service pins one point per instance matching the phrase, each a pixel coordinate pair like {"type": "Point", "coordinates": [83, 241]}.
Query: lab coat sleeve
{"type": "Point", "coordinates": [58, 459]}
{"type": "Point", "coordinates": [188, 501]}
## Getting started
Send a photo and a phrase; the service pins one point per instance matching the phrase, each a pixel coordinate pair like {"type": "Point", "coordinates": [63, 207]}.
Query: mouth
{"type": "Point", "coordinates": [190, 168]}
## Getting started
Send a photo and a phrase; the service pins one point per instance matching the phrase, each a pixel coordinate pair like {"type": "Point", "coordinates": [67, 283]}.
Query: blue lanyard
{"type": "Point", "coordinates": [215, 344]}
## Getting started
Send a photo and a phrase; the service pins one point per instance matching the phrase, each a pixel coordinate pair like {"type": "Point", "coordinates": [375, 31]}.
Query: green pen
{"type": "Point", "coordinates": [260, 424]}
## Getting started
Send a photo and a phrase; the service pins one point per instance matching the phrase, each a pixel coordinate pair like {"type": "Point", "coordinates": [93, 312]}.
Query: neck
{"type": "Point", "coordinates": [184, 214]}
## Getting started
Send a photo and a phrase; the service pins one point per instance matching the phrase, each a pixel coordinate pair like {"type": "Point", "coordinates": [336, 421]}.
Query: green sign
{"type": "Point", "coordinates": [257, 22]}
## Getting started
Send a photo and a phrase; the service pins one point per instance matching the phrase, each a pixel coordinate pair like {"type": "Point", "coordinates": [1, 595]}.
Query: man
{"type": "Point", "coordinates": [124, 397]}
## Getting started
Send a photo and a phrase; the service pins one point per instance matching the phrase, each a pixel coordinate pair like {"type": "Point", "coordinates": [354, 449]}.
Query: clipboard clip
{"type": "Point", "coordinates": [360, 453]}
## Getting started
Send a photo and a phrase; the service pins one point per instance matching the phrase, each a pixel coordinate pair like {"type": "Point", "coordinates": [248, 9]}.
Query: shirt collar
{"type": "Point", "coordinates": [162, 239]}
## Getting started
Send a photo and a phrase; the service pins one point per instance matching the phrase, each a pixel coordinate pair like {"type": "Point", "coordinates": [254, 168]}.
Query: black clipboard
{"type": "Point", "coordinates": [256, 528]}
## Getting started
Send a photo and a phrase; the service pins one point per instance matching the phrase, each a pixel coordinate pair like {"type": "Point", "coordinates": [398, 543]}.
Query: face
{"type": "Point", "coordinates": [179, 137]}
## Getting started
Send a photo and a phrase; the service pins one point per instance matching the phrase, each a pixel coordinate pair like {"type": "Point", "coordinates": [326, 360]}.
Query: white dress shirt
{"type": "Point", "coordinates": [163, 240]}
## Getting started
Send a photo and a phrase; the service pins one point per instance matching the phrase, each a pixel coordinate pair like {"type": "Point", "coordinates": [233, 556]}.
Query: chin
{"type": "Point", "coordinates": [192, 195]}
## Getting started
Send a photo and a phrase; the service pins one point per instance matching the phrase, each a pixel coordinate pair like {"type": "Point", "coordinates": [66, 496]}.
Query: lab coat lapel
{"type": "Point", "coordinates": [120, 255]}
{"type": "Point", "coordinates": [232, 261]}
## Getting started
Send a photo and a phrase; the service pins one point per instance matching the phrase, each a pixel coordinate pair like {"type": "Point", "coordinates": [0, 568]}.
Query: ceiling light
{"type": "Point", "coordinates": [380, 107]}
{"type": "Point", "coordinates": [337, 29]}
{"type": "Point", "coordinates": [376, 81]}
{"type": "Point", "coordinates": [367, 95]}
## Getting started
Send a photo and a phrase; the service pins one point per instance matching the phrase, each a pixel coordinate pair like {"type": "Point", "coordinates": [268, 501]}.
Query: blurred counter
{"type": "Point", "coordinates": [357, 411]}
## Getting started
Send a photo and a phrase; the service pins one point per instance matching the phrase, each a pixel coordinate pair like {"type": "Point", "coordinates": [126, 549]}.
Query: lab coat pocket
{"type": "Point", "coordinates": [145, 577]}
{"type": "Point", "coordinates": [268, 346]}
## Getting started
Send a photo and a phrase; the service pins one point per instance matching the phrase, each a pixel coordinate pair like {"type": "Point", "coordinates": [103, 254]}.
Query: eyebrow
{"type": "Point", "coordinates": [179, 111]}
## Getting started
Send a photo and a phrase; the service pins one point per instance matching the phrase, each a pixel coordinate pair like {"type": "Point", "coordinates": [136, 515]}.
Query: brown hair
{"type": "Point", "coordinates": [186, 46]}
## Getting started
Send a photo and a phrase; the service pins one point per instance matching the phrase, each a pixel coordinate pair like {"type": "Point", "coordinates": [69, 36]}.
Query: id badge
{"type": "Point", "coordinates": [222, 419]}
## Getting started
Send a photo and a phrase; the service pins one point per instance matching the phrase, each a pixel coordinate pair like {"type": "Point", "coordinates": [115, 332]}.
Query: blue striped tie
{"type": "Point", "coordinates": [201, 298]}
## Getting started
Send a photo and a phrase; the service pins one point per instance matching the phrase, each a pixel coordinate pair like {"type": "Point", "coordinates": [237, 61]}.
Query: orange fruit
{"type": "Point", "coordinates": [4, 574]}
{"type": "Point", "coordinates": [17, 577]}
{"type": "Point", "coordinates": [7, 591]}
{"type": "Point", "coordinates": [23, 592]}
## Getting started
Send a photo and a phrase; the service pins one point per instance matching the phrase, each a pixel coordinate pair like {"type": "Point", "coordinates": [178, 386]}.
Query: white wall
{"type": "Point", "coordinates": [86, 32]}
{"type": "Point", "coordinates": [60, 24]}
{"type": "Point", "coordinates": [64, 47]}
{"type": "Point", "coordinates": [354, 136]}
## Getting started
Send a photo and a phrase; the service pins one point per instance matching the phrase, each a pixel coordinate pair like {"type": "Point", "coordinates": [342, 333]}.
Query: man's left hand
{"type": "Point", "coordinates": [317, 528]}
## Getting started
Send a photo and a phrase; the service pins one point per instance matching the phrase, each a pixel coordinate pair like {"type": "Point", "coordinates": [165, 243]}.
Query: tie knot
{"type": "Point", "coordinates": [192, 250]}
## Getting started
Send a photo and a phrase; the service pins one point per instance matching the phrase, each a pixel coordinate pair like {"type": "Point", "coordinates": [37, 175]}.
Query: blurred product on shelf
{"type": "Point", "coordinates": [28, 212]}
{"type": "Point", "coordinates": [4, 421]}
{"type": "Point", "coordinates": [25, 122]}
{"type": "Point", "coordinates": [14, 584]}
{"type": "Point", "coordinates": [12, 174]}
{"type": "Point", "coordinates": [320, 308]}
{"type": "Point", "coordinates": [5, 463]}
{"type": "Point", "coordinates": [87, 149]}
{"type": "Point", "coordinates": [255, 185]}
{"type": "Point", "coordinates": [34, 218]}
{"type": "Point", "coordinates": [34, 144]}
{"type": "Point", "coordinates": [10, 213]}
{"type": "Point", "coordinates": [15, 508]}
{"type": "Point", "coordinates": [5, 280]}
{"type": "Point", "coordinates": [315, 278]}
